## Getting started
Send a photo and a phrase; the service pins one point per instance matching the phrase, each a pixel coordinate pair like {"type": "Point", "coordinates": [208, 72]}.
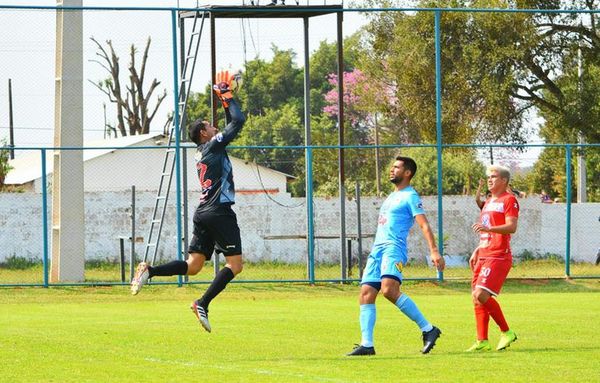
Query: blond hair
{"type": "Point", "coordinates": [502, 171]}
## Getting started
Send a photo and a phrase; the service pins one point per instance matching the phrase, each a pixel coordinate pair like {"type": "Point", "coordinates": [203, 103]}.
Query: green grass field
{"type": "Point", "coordinates": [291, 333]}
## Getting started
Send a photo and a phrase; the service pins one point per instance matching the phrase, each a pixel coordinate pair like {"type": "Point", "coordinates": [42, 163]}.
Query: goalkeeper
{"type": "Point", "coordinates": [215, 223]}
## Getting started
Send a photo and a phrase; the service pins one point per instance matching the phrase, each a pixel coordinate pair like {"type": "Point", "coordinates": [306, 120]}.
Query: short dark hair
{"type": "Point", "coordinates": [194, 130]}
{"type": "Point", "coordinates": [409, 164]}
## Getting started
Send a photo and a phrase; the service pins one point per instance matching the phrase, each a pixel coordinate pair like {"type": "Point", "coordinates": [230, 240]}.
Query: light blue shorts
{"type": "Point", "coordinates": [384, 261]}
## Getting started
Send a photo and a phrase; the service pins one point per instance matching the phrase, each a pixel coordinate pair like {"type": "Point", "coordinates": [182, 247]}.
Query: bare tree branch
{"type": "Point", "coordinates": [132, 102]}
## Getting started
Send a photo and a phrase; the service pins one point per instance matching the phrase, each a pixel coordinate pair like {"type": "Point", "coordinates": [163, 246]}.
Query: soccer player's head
{"type": "Point", "coordinates": [498, 177]}
{"type": "Point", "coordinates": [404, 168]}
{"type": "Point", "coordinates": [201, 131]}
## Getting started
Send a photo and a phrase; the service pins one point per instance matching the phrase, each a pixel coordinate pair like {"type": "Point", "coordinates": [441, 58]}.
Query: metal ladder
{"type": "Point", "coordinates": [162, 196]}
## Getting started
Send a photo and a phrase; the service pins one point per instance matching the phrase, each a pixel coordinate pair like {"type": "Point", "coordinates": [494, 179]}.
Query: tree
{"type": "Point", "coordinates": [477, 72]}
{"type": "Point", "coordinates": [495, 67]}
{"type": "Point", "coordinates": [4, 157]}
{"type": "Point", "coordinates": [268, 85]}
{"type": "Point", "coordinates": [133, 102]}
{"type": "Point", "coordinates": [277, 127]}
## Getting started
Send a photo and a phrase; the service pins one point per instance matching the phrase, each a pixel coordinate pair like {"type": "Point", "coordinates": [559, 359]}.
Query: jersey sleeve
{"type": "Point", "coordinates": [235, 121]}
{"type": "Point", "coordinates": [511, 207]}
{"type": "Point", "coordinates": [415, 204]}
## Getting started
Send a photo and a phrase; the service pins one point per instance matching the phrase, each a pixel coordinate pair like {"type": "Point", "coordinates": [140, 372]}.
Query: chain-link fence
{"type": "Point", "coordinates": [294, 224]}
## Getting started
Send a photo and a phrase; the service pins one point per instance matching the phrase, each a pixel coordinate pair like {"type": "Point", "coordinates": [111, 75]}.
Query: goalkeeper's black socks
{"type": "Point", "coordinates": [218, 284]}
{"type": "Point", "coordinates": [171, 268]}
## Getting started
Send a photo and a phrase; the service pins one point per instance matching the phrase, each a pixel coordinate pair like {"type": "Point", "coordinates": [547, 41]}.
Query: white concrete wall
{"type": "Point", "coordinates": [270, 231]}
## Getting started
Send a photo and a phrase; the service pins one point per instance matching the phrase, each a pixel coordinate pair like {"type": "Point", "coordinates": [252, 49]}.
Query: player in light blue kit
{"type": "Point", "coordinates": [389, 255]}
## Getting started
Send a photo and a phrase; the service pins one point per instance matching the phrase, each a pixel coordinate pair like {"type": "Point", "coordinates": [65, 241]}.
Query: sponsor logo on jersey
{"type": "Point", "coordinates": [219, 137]}
{"type": "Point", "coordinates": [485, 220]}
{"type": "Point", "coordinates": [495, 206]}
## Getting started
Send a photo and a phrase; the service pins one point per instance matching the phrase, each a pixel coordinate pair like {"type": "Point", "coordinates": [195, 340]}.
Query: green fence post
{"type": "Point", "coordinates": [176, 126]}
{"type": "Point", "coordinates": [45, 217]}
{"type": "Point", "coordinates": [438, 123]}
{"type": "Point", "coordinates": [568, 241]}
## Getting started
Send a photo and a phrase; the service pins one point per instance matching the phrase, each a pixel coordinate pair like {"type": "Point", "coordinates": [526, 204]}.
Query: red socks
{"type": "Point", "coordinates": [493, 308]}
{"type": "Point", "coordinates": [482, 319]}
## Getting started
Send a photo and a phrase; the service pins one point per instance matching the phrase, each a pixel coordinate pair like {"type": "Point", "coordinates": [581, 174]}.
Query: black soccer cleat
{"type": "Point", "coordinates": [429, 339]}
{"type": "Point", "coordinates": [361, 350]}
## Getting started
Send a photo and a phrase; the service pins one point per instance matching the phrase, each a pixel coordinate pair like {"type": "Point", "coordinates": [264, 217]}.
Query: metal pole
{"type": "Point", "coordinates": [310, 245]}
{"type": "Point", "coordinates": [377, 158]}
{"type": "Point", "coordinates": [177, 134]}
{"type": "Point", "coordinates": [359, 230]}
{"type": "Point", "coordinates": [213, 68]}
{"type": "Point", "coordinates": [122, 257]}
{"type": "Point", "coordinates": [104, 107]}
{"type": "Point", "coordinates": [349, 252]}
{"type": "Point", "coordinates": [342, 174]}
{"type": "Point", "coordinates": [132, 255]}
{"type": "Point", "coordinates": [184, 217]}
{"type": "Point", "coordinates": [438, 123]}
{"type": "Point", "coordinates": [45, 218]}
{"type": "Point", "coordinates": [182, 53]}
{"type": "Point", "coordinates": [581, 168]}
{"type": "Point", "coordinates": [568, 229]}
{"type": "Point", "coordinates": [213, 102]}
{"type": "Point", "coordinates": [11, 127]}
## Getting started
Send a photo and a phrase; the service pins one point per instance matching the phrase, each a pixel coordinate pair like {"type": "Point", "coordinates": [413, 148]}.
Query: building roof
{"type": "Point", "coordinates": [28, 167]}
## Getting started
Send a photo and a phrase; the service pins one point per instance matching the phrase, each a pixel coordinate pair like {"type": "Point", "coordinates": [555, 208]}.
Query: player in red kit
{"type": "Point", "coordinates": [492, 259]}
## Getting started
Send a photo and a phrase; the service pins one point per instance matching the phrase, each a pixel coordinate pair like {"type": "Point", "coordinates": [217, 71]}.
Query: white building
{"type": "Point", "coordinates": [114, 165]}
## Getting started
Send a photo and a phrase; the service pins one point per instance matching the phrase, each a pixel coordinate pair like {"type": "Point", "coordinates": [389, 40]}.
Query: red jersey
{"type": "Point", "coordinates": [494, 213]}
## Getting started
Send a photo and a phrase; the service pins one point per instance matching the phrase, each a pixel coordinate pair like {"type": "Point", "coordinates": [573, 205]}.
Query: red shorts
{"type": "Point", "coordinates": [490, 273]}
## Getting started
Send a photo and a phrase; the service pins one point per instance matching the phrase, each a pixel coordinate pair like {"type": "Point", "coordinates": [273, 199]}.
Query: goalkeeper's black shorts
{"type": "Point", "coordinates": [216, 230]}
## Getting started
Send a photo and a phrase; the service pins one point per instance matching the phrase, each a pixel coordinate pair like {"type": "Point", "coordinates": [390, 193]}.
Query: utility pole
{"type": "Point", "coordinates": [377, 159]}
{"type": "Point", "coordinates": [68, 224]}
{"type": "Point", "coordinates": [581, 169]}
{"type": "Point", "coordinates": [11, 128]}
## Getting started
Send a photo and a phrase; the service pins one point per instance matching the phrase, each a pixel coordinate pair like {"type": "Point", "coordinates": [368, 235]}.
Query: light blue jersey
{"type": "Point", "coordinates": [396, 218]}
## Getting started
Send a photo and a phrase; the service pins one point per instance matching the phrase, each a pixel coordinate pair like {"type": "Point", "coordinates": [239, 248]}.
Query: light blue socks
{"type": "Point", "coordinates": [410, 309]}
{"type": "Point", "coordinates": [368, 315]}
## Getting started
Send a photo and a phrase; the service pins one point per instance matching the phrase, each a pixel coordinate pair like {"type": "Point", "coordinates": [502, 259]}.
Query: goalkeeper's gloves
{"type": "Point", "coordinates": [225, 83]}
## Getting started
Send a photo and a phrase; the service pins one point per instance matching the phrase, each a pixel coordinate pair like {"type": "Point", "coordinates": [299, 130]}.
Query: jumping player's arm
{"type": "Point", "coordinates": [233, 114]}
{"type": "Point", "coordinates": [434, 253]}
{"type": "Point", "coordinates": [235, 121]}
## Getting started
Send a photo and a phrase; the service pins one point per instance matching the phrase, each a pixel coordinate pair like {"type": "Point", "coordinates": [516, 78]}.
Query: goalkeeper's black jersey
{"type": "Point", "coordinates": [213, 165]}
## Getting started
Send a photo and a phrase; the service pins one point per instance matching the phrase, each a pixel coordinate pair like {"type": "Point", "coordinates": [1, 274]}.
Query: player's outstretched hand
{"type": "Point", "coordinates": [225, 83]}
{"type": "Point", "coordinates": [221, 87]}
